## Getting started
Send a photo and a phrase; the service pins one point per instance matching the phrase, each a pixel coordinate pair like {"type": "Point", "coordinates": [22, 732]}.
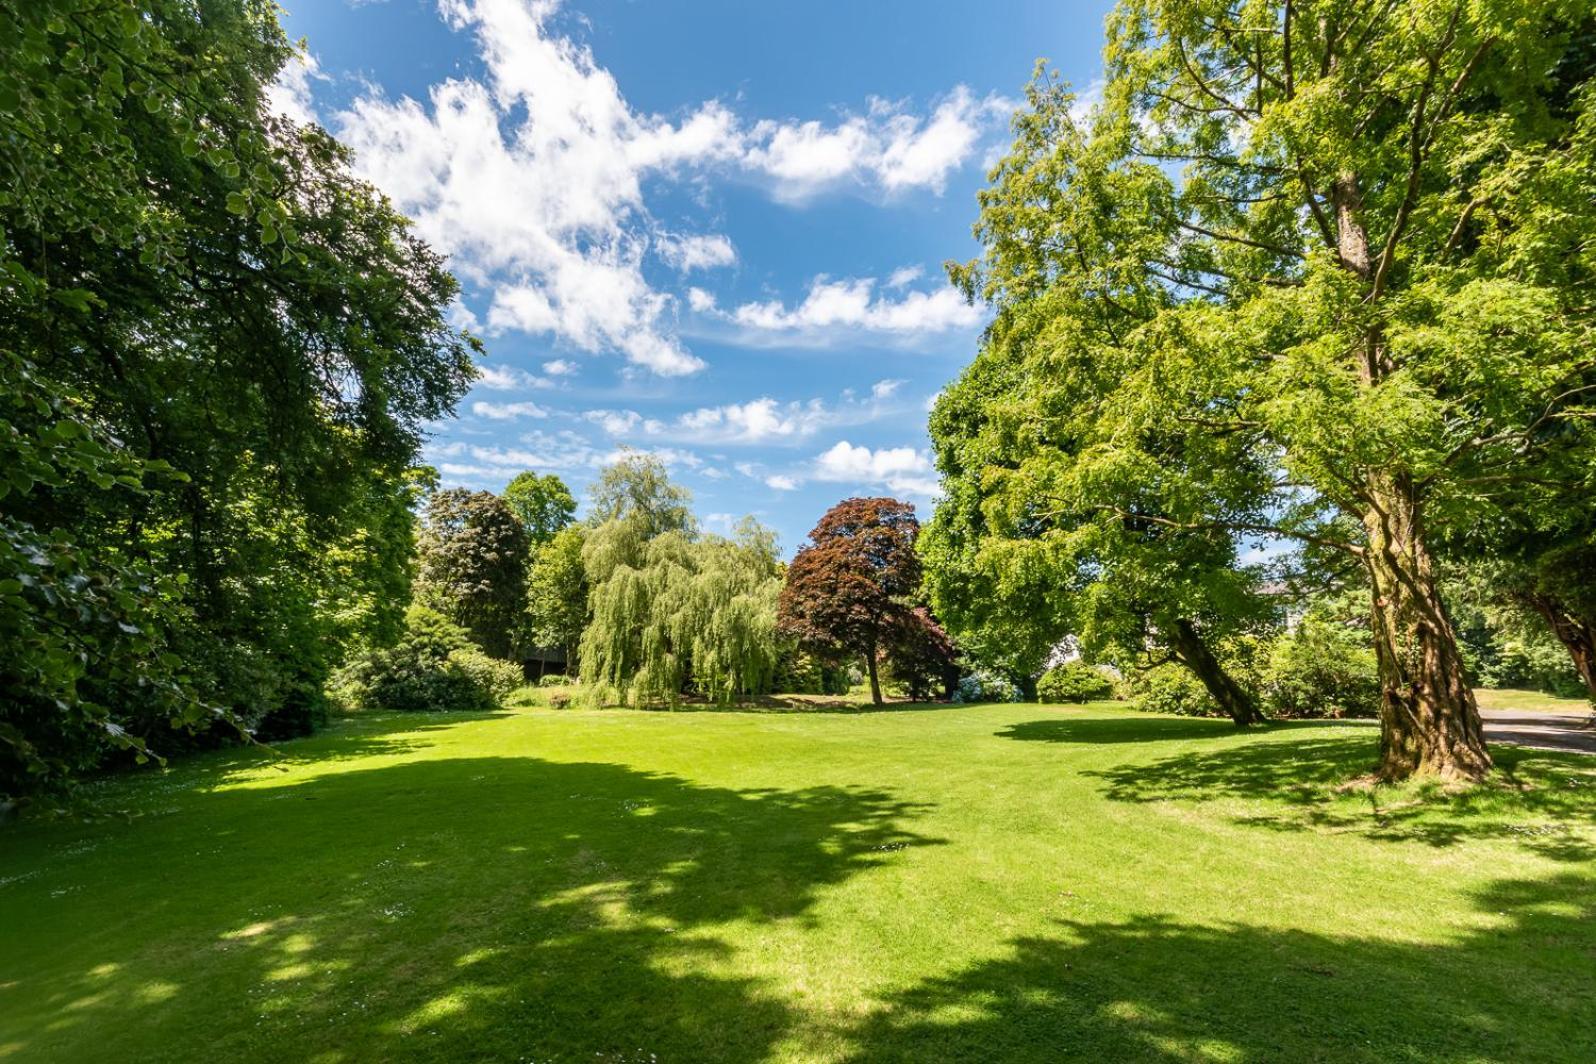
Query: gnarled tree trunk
{"type": "Point", "coordinates": [1192, 652]}
{"type": "Point", "coordinates": [1429, 721]}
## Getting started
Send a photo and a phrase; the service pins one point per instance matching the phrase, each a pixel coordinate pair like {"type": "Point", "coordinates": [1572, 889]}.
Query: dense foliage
{"type": "Point", "coordinates": [473, 560]}
{"type": "Point", "coordinates": [1354, 319]}
{"type": "Point", "coordinates": [1074, 681]}
{"type": "Point", "coordinates": [672, 612]}
{"type": "Point", "coordinates": [543, 504]}
{"type": "Point", "coordinates": [433, 666]}
{"type": "Point", "coordinates": [848, 589]}
{"type": "Point", "coordinates": [253, 335]}
{"type": "Point", "coordinates": [556, 595]}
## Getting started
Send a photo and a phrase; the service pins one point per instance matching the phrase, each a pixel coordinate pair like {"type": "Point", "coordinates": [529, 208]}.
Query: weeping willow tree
{"type": "Point", "coordinates": [673, 612]}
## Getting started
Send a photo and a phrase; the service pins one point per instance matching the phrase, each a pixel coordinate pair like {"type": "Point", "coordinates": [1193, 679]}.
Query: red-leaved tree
{"type": "Point", "coordinates": [847, 590]}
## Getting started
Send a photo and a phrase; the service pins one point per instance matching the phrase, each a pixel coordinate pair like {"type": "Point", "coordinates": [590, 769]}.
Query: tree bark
{"type": "Point", "coordinates": [875, 680]}
{"type": "Point", "coordinates": [1429, 720]}
{"type": "Point", "coordinates": [1192, 652]}
{"type": "Point", "coordinates": [1577, 634]}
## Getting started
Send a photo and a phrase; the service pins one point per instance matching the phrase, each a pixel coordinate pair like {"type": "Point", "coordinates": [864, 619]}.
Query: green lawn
{"type": "Point", "coordinates": [1529, 701]}
{"type": "Point", "coordinates": [994, 883]}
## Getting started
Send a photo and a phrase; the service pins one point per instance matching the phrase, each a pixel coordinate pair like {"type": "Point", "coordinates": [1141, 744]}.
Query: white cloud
{"type": "Point", "coordinates": [507, 411]}
{"type": "Point", "coordinates": [888, 147]}
{"type": "Point", "coordinates": [531, 176]}
{"type": "Point", "coordinates": [505, 378]}
{"type": "Point", "coordinates": [561, 367]}
{"type": "Point", "coordinates": [904, 276]}
{"type": "Point", "coordinates": [885, 389]}
{"type": "Point", "coordinates": [700, 300]}
{"type": "Point", "coordinates": [757, 421]}
{"type": "Point", "coordinates": [782, 482]}
{"type": "Point", "coordinates": [565, 450]}
{"type": "Point", "coordinates": [900, 469]}
{"type": "Point", "coordinates": [688, 253]}
{"type": "Point", "coordinates": [290, 95]}
{"type": "Point", "coordinates": [531, 181]}
{"type": "Point", "coordinates": [615, 422]}
{"type": "Point", "coordinates": [832, 306]}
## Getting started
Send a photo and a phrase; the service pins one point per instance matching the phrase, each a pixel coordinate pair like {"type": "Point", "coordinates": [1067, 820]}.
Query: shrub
{"type": "Point", "coordinates": [1073, 681]}
{"type": "Point", "coordinates": [433, 666]}
{"type": "Point", "coordinates": [983, 686]}
{"type": "Point", "coordinates": [799, 672]}
{"type": "Point", "coordinates": [1322, 669]}
{"type": "Point", "coordinates": [554, 679]}
{"type": "Point", "coordinates": [491, 676]}
{"type": "Point", "coordinates": [1172, 689]}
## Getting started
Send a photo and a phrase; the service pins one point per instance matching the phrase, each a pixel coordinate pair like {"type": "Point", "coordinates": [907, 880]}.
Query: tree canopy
{"type": "Point", "coordinates": [543, 504]}
{"type": "Point", "coordinates": [1310, 271]}
{"type": "Point", "coordinates": [670, 611]}
{"type": "Point", "coordinates": [848, 589]}
{"type": "Point", "coordinates": [474, 554]}
{"type": "Point", "coordinates": [204, 287]}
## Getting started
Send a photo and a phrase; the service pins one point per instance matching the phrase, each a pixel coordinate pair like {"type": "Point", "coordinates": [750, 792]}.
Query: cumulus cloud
{"type": "Point", "coordinates": [531, 180]}
{"type": "Point", "coordinates": [900, 469]}
{"type": "Point", "coordinates": [507, 411]}
{"type": "Point", "coordinates": [506, 379]}
{"type": "Point", "coordinates": [689, 253]}
{"type": "Point", "coordinates": [854, 304]}
{"type": "Point", "coordinates": [904, 276]}
{"type": "Point", "coordinates": [888, 147]}
{"type": "Point", "coordinates": [290, 95]}
{"type": "Point", "coordinates": [561, 367]}
{"type": "Point", "coordinates": [757, 421]}
{"type": "Point", "coordinates": [566, 451]}
{"type": "Point", "coordinates": [531, 176]}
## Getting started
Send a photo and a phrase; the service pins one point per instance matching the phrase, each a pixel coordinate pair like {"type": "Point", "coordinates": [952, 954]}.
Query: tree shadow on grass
{"type": "Point", "coordinates": [798, 704]}
{"type": "Point", "coordinates": [1123, 729]}
{"type": "Point", "coordinates": [1515, 985]}
{"type": "Point", "coordinates": [483, 908]}
{"type": "Point", "coordinates": [1543, 800]}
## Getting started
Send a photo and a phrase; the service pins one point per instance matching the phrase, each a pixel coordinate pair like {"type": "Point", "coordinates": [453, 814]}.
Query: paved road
{"type": "Point", "coordinates": [1546, 730]}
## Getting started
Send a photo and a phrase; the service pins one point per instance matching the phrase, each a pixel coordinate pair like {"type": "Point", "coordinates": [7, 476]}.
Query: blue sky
{"type": "Point", "coordinates": [712, 230]}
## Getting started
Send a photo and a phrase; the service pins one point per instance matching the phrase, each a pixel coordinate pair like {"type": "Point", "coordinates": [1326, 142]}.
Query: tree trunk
{"type": "Point", "coordinates": [875, 680]}
{"type": "Point", "coordinates": [1577, 634]}
{"type": "Point", "coordinates": [1429, 721]}
{"type": "Point", "coordinates": [1192, 652]}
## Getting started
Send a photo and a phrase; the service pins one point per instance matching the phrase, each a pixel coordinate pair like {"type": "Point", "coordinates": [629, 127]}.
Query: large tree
{"type": "Point", "coordinates": [671, 612]}
{"type": "Point", "coordinates": [556, 594]}
{"type": "Point", "coordinates": [1350, 241]}
{"type": "Point", "coordinates": [1046, 530]}
{"type": "Point", "coordinates": [543, 504]}
{"type": "Point", "coordinates": [848, 589]}
{"type": "Point", "coordinates": [206, 284]}
{"type": "Point", "coordinates": [473, 566]}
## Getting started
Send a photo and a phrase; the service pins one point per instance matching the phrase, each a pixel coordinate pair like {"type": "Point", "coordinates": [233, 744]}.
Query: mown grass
{"type": "Point", "coordinates": [1530, 701]}
{"type": "Point", "coordinates": [987, 883]}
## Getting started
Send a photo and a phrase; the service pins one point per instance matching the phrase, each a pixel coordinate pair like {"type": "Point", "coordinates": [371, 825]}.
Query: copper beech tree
{"type": "Point", "coordinates": [847, 589]}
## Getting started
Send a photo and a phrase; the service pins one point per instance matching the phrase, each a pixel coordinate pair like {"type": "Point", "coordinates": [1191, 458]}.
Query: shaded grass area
{"type": "Point", "coordinates": [978, 883]}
